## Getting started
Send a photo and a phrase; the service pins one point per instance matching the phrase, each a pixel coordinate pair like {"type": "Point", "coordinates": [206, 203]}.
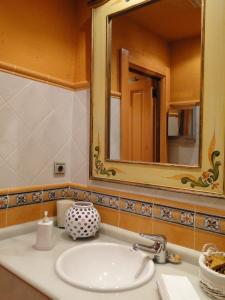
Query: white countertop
{"type": "Point", "coordinates": [37, 267]}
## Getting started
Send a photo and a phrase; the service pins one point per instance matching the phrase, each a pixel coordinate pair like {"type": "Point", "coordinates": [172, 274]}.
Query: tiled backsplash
{"type": "Point", "coordinates": [41, 124]}
{"type": "Point", "coordinates": [183, 224]}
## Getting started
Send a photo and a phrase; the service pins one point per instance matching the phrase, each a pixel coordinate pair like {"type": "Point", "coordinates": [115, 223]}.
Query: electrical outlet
{"type": "Point", "coordinates": [59, 168]}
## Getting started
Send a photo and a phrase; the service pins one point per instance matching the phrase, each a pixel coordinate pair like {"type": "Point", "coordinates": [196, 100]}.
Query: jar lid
{"type": "Point", "coordinates": [82, 204]}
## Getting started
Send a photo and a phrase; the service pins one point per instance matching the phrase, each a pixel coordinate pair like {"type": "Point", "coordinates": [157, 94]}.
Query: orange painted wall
{"type": "Point", "coordinates": [145, 49]}
{"type": "Point", "coordinates": [186, 69]}
{"type": "Point", "coordinates": [83, 42]}
{"type": "Point", "coordinates": [47, 40]}
{"type": "Point", "coordinates": [51, 41]}
{"type": "Point", "coordinates": [180, 61]}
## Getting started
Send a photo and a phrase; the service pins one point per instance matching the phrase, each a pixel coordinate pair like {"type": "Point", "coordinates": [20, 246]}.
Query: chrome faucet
{"type": "Point", "coordinates": [158, 248]}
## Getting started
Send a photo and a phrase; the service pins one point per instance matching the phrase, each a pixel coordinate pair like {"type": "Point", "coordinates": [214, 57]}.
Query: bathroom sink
{"type": "Point", "coordinates": [104, 267]}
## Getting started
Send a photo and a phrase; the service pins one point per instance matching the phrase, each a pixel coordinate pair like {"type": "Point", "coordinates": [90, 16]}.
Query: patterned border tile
{"type": "Point", "coordinates": [210, 223]}
{"type": "Point", "coordinates": [128, 205]}
{"type": "Point", "coordinates": [183, 217]}
{"type": "Point", "coordinates": [96, 198]}
{"type": "Point", "coordinates": [166, 213]}
{"type": "Point", "coordinates": [54, 194]}
{"type": "Point", "coordinates": [136, 207]}
{"type": "Point", "coordinates": [37, 197]}
{"type": "Point", "coordinates": [187, 218]}
{"type": "Point", "coordinates": [174, 215]}
{"type": "Point", "coordinates": [64, 192]}
{"type": "Point", "coordinates": [102, 200]}
{"type": "Point", "coordinates": [21, 199]}
{"type": "Point", "coordinates": [4, 202]}
{"type": "Point", "coordinates": [114, 202]}
{"type": "Point", "coordinates": [78, 194]}
{"type": "Point", "coordinates": [34, 197]}
{"type": "Point", "coordinates": [105, 200]}
{"type": "Point", "coordinates": [146, 209]}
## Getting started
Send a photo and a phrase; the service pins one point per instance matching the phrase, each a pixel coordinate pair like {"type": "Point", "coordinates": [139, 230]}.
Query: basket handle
{"type": "Point", "coordinates": [209, 248]}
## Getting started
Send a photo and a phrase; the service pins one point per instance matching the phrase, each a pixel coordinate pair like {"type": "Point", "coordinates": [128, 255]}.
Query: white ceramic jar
{"type": "Point", "coordinates": [82, 220]}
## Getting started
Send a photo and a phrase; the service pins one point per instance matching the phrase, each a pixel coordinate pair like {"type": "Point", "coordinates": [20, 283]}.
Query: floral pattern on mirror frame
{"type": "Point", "coordinates": [99, 166]}
{"type": "Point", "coordinates": [208, 178]}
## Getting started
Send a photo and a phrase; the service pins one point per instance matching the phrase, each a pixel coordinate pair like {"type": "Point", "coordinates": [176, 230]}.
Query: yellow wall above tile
{"type": "Point", "coordinates": [47, 40]}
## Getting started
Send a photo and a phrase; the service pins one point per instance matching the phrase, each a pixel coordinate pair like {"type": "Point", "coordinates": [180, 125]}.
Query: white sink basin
{"type": "Point", "coordinates": [104, 267]}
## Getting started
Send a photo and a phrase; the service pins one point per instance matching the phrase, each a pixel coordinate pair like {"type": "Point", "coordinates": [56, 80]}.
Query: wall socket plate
{"type": "Point", "coordinates": [59, 168]}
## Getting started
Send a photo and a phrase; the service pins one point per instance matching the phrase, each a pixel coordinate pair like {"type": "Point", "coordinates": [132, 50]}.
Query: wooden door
{"type": "Point", "coordinates": [138, 117]}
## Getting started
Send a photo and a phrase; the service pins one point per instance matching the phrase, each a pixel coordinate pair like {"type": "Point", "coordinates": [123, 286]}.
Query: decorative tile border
{"type": "Point", "coordinates": [34, 197]}
{"type": "Point", "coordinates": [55, 194]}
{"type": "Point", "coordinates": [130, 206]}
{"type": "Point", "coordinates": [65, 192]}
{"type": "Point", "coordinates": [21, 199]}
{"type": "Point", "coordinates": [114, 202]}
{"type": "Point", "coordinates": [146, 209]}
{"type": "Point", "coordinates": [96, 198]}
{"type": "Point", "coordinates": [164, 213]}
{"type": "Point", "coordinates": [174, 215]}
{"type": "Point", "coordinates": [4, 202]}
{"type": "Point", "coordinates": [37, 197]}
{"type": "Point", "coordinates": [182, 217]}
{"type": "Point", "coordinates": [211, 223]}
{"type": "Point", "coordinates": [78, 194]}
{"type": "Point", "coordinates": [187, 218]}
{"type": "Point", "coordinates": [136, 207]}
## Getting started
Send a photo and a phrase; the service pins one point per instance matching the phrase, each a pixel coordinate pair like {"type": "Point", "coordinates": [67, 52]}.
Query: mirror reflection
{"type": "Point", "coordinates": [155, 86]}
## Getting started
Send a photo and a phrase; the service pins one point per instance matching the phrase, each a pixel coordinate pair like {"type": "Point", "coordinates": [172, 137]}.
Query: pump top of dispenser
{"type": "Point", "coordinates": [45, 220]}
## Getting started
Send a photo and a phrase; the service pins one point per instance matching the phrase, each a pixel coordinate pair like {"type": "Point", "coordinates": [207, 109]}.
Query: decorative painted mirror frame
{"type": "Point", "coordinates": [208, 179]}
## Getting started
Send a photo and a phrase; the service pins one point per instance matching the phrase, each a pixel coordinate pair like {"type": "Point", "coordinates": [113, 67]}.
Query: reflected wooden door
{"type": "Point", "coordinates": [138, 117]}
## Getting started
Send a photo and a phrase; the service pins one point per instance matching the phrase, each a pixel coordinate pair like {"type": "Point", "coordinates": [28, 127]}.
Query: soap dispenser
{"type": "Point", "coordinates": [44, 240]}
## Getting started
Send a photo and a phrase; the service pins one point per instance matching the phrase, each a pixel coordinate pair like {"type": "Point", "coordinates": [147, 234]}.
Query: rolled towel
{"type": "Point", "coordinates": [174, 287]}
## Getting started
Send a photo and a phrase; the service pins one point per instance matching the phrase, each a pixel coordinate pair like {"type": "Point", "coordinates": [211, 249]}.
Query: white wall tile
{"type": "Point", "coordinates": [46, 174]}
{"type": "Point", "coordinates": [80, 137]}
{"type": "Point", "coordinates": [2, 101]}
{"type": "Point", "coordinates": [51, 136]}
{"type": "Point", "coordinates": [8, 177]}
{"type": "Point", "coordinates": [28, 160]}
{"type": "Point", "coordinates": [35, 130]}
{"type": "Point", "coordinates": [30, 106]}
{"type": "Point", "coordinates": [54, 95]}
{"type": "Point", "coordinates": [10, 85]}
{"type": "Point", "coordinates": [63, 113]}
{"type": "Point", "coordinates": [13, 131]}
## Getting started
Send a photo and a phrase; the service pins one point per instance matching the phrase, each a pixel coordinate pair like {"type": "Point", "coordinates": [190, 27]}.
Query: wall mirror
{"type": "Point", "coordinates": [155, 57]}
{"type": "Point", "coordinates": [157, 106]}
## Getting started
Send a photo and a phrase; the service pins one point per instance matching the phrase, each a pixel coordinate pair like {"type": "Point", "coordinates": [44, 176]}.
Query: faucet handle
{"type": "Point", "coordinates": [155, 237]}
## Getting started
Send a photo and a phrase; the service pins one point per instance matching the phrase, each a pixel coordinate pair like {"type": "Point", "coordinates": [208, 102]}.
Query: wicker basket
{"type": "Point", "coordinates": [211, 282]}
